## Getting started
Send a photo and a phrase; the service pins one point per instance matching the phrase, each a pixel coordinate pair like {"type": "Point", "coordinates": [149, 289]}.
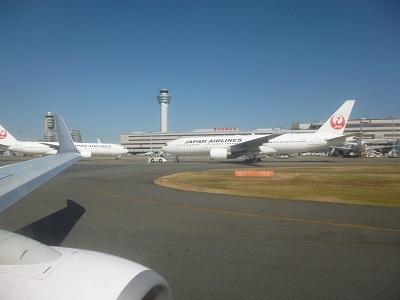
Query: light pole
{"type": "Point", "coordinates": [151, 140]}
{"type": "Point", "coordinates": [361, 124]}
{"type": "Point", "coordinates": [394, 148]}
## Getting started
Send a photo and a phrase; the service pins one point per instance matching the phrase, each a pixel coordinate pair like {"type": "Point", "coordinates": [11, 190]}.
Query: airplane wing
{"type": "Point", "coordinates": [51, 145]}
{"type": "Point", "coordinates": [31, 270]}
{"type": "Point", "coordinates": [18, 180]}
{"type": "Point", "coordinates": [255, 143]}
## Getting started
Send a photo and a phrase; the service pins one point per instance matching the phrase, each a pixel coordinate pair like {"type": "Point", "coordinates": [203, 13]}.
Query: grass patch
{"type": "Point", "coordinates": [369, 185]}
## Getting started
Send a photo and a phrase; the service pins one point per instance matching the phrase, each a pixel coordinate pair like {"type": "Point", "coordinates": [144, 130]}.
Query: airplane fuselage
{"type": "Point", "coordinates": [96, 149]}
{"type": "Point", "coordinates": [284, 144]}
{"type": "Point", "coordinates": [31, 148]}
{"type": "Point", "coordinates": [298, 142]}
{"type": "Point", "coordinates": [102, 149]}
{"type": "Point", "coordinates": [203, 145]}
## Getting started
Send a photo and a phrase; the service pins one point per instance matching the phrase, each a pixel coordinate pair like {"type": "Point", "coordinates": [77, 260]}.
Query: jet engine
{"type": "Point", "coordinates": [31, 270]}
{"type": "Point", "coordinates": [52, 152]}
{"type": "Point", "coordinates": [85, 154]}
{"type": "Point", "coordinates": [222, 154]}
{"type": "Point", "coordinates": [267, 150]}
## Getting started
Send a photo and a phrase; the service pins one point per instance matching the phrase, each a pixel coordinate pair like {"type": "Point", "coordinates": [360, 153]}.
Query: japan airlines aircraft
{"type": "Point", "coordinates": [219, 147]}
{"type": "Point", "coordinates": [8, 142]}
{"type": "Point", "coordinates": [227, 147]}
{"type": "Point", "coordinates": [31, 270]}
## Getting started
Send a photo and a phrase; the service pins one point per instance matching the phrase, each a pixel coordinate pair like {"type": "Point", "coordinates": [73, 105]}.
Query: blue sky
{"type": "Point", "coordinates": [245, 64]}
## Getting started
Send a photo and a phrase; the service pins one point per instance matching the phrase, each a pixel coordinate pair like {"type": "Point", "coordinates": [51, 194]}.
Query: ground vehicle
{"type": "Point", "coordinates": [156, 158]}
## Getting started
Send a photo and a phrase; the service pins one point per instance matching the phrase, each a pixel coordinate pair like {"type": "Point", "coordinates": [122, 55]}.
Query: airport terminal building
{"type": "Point", "coordinates": [375, 132]}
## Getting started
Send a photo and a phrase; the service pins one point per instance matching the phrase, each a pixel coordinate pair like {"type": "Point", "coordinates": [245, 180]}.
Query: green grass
{"type": "Point", "coordinates": [345, 184]}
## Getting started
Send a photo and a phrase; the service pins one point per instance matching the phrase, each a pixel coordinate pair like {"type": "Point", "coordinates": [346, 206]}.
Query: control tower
{"type": "Point", "coordinates": [163, 100]}
{"type": "Point", "coordinates": [49, 134]}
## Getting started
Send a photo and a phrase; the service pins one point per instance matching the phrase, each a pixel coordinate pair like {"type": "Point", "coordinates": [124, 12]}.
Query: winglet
{"type": "Point", "coordinates": [65, 142]}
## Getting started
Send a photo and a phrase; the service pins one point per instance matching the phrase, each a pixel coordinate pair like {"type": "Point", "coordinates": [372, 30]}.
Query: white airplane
{"type": "Point", "coordinates": [31, 270]}
{"type": "Point", "coordinates": [8, 142]}
{"type": "Point", "coordinates": [227, 147]}
{"type": "Point", "coordinates": [219, 147]}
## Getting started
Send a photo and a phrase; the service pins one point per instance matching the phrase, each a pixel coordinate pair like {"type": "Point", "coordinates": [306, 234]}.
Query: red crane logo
{"type": "Point", "coordinates": [3, 134]}
{"type": "Point", "coordinates": [338, 122]}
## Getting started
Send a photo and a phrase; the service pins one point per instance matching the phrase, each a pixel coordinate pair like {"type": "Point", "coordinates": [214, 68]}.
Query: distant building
{"type": "Point", "coordinates": [75, 135]}
{"type": "Point", "coordinates": [50, 135]}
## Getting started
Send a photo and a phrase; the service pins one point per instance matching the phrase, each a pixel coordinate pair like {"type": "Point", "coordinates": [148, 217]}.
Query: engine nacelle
{"type": "Point", "coordinates": [222, 154]}
{"type": "Point", "coordinates": [85, 154]}
{"type": "Point", "coordinates": [52, 152]}
{"type": "Point", "coordinates": [267, 150]}
{"type": "Point", "coordinates": [31, 270]}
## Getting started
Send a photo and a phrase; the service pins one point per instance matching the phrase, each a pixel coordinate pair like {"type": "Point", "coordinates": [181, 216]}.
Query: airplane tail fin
{"type": "Point", "coordinates": [6, 137]}
{"type": "Point", "coordinates": [337, 122]}
{"type": "Point", "coordinates": [64, 139]}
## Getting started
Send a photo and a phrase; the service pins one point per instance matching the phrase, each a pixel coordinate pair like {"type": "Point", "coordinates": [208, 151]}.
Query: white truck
{"type": "Point", "coordinates": [156, 158]}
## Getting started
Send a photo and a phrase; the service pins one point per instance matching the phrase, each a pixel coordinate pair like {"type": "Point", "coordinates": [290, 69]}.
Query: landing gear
{"type": "Point", "coordinates": [176, 159]}
{"type": "Point", "coordinates": [252, 160]}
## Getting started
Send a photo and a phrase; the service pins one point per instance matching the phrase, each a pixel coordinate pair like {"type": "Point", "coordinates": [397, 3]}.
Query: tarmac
{"type": "Point", "coordinates": [210, 246]}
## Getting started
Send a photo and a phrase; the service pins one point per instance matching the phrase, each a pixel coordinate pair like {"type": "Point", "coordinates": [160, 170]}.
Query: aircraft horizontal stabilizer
{"type": "Point", "coordinates": [339, 138]}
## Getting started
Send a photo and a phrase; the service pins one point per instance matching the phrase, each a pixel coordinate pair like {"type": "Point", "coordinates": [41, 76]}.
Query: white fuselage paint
{"type": "Point", "coordinates": [299, 142]}
{"type": "Point", "coordinates": [284, 144]}
{"type": "Point", "coordinates": [203, 145]}
{"type": "Point", "coordinates": [96, 149]}
{"type": "Point", "coordinates": [102, 149]}
{"type": "Point", "coordinates": [31, 148]}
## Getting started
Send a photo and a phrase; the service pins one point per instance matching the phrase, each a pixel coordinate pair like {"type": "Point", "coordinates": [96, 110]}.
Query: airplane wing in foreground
{"type": "Point", "coordinates": [18, 180]}
{"type": "Point", "coordinates": [31, 270]}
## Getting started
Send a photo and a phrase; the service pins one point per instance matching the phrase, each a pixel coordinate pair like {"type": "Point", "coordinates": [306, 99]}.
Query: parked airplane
{"type": "Point", "coordinates": [7, 141]}
{"type": "Point", "coordinates": [219, 147]}
{"type": "Point", "coordinates": [31, 270]}
{"type": "Point", "coordinates": [227, 147]}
